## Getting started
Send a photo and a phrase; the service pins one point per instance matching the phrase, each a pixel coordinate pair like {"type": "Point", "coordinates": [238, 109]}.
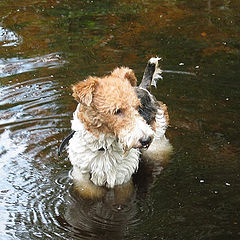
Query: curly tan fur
{"type": "Point", "coordinates": [125, 73]}
{"type": "Point", "coordinates": [83, 91]}
{"type": "Point", "coordinates": [108, 104]}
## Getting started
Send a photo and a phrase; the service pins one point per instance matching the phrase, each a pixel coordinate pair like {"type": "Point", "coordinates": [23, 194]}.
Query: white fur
{"type": "Point", "coordinates": [157, 73]}
{"type": "Point", "coordinates": [140, 130]}
{"type": "Point", "coordinates": [159, 150]}
{"type": "Point", "coordinates": [160, 146]}
{"type": "Point", "coordinates": [161, 124]}
{"type": "Point", "coordinates": [104, 168]}
{"type": "Point", "coordinates": [154, 60]}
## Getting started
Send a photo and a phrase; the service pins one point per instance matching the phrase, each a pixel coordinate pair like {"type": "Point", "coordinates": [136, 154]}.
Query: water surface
{"type": "Point", "coordinates": [46, 46]}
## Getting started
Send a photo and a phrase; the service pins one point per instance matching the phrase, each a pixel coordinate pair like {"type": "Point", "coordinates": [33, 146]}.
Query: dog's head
{"type": "Point", "coordinates": [109, 105]}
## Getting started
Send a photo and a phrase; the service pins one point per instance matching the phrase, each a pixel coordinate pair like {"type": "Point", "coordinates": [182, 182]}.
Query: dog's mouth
{"type": "Point", "coordinates": [145, 147]}
{"type": "Point", "coordinates": [142, 144]}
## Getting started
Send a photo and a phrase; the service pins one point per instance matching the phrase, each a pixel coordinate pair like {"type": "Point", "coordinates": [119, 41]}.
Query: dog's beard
{"type": "Point", "coordinates": [130, 137]}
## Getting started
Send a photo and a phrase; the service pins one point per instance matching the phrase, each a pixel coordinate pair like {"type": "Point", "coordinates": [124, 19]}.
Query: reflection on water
{"type": "Point", "coordinates": [9, 67]}
{"type": "Point", "coordinates": [9, 38]}
{"type": "Point", "coordinates": [102, 219]}
{"type": "Point", "coordinates": [196, 195]}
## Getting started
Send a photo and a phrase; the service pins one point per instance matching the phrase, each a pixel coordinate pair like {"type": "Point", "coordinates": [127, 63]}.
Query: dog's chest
{"type": "Point", "coordinates": [103, 159]}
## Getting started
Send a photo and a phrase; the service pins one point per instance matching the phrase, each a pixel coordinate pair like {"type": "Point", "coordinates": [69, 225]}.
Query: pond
{"type": "Point", "coordinates": [48, 45]}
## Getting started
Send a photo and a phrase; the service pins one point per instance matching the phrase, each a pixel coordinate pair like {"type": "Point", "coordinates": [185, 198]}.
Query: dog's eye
{"type": "Point", "coordinates": [118, 112]}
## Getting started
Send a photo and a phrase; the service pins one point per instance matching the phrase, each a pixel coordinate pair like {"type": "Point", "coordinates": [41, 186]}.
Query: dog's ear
{"type": "Point", "coordinates": [83, 91]}
{"type": "Point", "coordinates": [125, 73]}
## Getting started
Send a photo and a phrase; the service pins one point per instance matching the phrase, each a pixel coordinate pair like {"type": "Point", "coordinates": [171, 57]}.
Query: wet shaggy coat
{"type": "Point", "coordinates": [107, 118]}
{"type": "Point", "coordinates": [112, 121]}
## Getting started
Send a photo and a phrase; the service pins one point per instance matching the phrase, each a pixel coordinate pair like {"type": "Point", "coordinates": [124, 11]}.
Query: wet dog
{"type": "Point", "coordinates": [115, 122]}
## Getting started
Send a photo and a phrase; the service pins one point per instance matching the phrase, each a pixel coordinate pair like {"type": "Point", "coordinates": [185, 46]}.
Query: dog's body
{"type": "Point", "coordinates": [100, 159]}
{"type": "Point", "coordinates": [114, 123]}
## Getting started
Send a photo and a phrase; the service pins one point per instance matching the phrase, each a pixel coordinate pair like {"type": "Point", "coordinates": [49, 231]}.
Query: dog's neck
{"type": "Point", "coordinates": [109, 167]}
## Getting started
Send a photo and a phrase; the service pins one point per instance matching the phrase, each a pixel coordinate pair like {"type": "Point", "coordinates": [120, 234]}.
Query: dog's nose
{"type": "Point", "coordinates": [145, 141]}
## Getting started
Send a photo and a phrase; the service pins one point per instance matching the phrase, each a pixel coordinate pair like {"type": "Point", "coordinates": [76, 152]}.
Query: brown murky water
{"type": "Point", "coordinates": [47, 45]}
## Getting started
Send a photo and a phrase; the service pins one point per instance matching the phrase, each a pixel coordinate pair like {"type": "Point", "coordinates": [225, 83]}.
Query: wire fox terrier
{"type": "Point", "coordinates": [115, 122]}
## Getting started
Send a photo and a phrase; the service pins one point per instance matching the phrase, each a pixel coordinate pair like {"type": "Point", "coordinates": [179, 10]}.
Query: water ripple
{"type": "Point", "coordinates": [9, 38]}
{"type": "Point", "coordinates": [12, 66]}
{"type": "Point", "coordinates": [96, 219]}
{"type": "Point", "coordinates": [40, 199]}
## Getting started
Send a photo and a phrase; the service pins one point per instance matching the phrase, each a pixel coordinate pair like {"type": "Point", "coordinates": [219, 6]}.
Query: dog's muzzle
{"type": "Point", "coordinates": [145, 141]}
